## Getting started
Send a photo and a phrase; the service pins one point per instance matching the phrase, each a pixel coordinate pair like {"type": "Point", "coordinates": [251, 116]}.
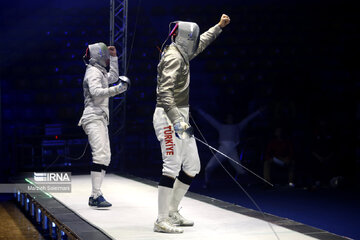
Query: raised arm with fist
{"type": "Point", "coordinates": [224, 21]}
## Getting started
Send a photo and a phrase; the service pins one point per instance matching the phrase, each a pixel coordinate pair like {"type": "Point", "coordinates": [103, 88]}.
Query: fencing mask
{"type": "Point", "coordinates": [99, 53]}
{"type": "Point", "coordinates": [186, 36]}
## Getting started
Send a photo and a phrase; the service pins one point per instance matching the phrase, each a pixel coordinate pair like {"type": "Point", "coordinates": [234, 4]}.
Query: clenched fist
{"type": "Point", "coordinates": [112, 51]}
{"type": "Point", "coordinates": [224, 20]}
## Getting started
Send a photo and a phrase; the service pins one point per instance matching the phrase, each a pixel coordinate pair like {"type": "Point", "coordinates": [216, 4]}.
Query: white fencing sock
{"type": "Point", "coordinates": [179, 191]}
{"type": "Point", "coordinates": [164, 194]}
{"type": "Point", "coordinates": [96, 180]}
{"type": "Point", "coordinates": [103, 172]}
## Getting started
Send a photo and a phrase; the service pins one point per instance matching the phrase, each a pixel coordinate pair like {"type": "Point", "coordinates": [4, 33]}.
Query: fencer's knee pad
{"type": "Point", "coordinates": [185, 178]}
{"type": "Point", "coordinates": [166, 181]}
{"type": "Point", "coordinates": [98, 167]}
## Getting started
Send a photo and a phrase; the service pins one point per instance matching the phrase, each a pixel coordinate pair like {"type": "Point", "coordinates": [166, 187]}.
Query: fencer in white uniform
{"type": "Point", "coordinates": [229, 139]}
{"type": "Point", "coordinates": [171, 120]}
{"type": "Point", "coordinates": [95, 117]}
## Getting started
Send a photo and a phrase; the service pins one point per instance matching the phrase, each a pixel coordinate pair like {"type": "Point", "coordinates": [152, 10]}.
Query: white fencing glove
{"type": "Point", "coordinates": [126, 81]}
{"type": "Point", "coordinates": [121, 87]}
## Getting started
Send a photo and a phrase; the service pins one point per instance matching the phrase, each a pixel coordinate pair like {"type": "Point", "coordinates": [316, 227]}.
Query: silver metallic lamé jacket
{"type": "Point", "coordinates": [173, 77]}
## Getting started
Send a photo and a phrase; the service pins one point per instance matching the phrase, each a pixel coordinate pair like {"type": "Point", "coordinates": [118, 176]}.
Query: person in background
{"type": "Point", "coordinates": [279, 152]}
{"type": "Point", "coordinates": [323, 157]}
{"type": "Point", "coordinates": [229, 138]}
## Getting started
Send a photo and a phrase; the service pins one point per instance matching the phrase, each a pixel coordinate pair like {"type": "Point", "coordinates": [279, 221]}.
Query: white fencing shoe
{"type": "Point", "coordinates": [179, 220]}
{"type": "Point", "coordinates": [165, 226]}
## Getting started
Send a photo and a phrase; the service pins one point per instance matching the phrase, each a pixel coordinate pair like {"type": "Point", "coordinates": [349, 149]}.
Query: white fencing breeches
{"type": "Point", "coordinates": [176, 153]}
{"type": "Point", "coordinates": [98, 136]}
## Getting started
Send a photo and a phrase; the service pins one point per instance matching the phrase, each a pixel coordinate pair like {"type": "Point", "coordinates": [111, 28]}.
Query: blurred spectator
{"type": "Point", "coordinates": [284, 110]}
{"type": "Point", "coordinates": [279, 152]}
{"type": "Point", "coordinates": [322, 155]}
{"type": "Point", "coordinates": [229, 139]}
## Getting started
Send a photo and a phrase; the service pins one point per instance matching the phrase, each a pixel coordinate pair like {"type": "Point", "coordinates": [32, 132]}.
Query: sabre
{"type": "Point", "coordinates": [190, 133]}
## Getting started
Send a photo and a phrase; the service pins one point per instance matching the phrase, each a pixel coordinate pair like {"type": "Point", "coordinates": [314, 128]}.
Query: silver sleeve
{"type": "Point", "coordinates": [206, 38]}
{"type": "Point", "coordinates": [166, 83]}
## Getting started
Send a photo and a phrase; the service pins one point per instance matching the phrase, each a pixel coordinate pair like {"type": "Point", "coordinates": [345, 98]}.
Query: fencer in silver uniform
{"type": "Point", "coordinates": [171, 120]}
{"type": "Point", "coordinates": [95, 117]}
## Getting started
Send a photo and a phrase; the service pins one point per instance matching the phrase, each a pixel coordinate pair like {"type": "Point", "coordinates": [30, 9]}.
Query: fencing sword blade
{"type": "Point", "coordinates": [223, 154]}
{"type": "Point", "coordinates": [237, 183]}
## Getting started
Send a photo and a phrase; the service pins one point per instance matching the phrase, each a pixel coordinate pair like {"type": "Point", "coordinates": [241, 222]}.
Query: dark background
{"type": "Point", "coordinates": [297, 60]}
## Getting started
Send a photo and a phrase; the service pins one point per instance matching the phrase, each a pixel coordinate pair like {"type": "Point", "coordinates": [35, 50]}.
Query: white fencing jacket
{"type": "Point", "coordinates": [97, 91]}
